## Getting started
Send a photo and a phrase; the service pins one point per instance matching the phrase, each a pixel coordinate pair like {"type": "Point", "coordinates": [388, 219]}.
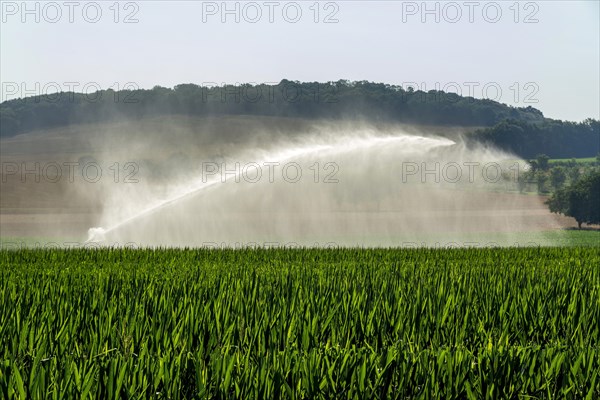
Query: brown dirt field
{"type": "Point", "coordinates": [43, 210]}
{"type": "Point", "coordinates": [68, 209]}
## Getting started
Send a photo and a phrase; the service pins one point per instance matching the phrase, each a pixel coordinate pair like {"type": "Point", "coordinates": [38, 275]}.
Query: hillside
{"type": "Point", "coordinates": [524, 131]}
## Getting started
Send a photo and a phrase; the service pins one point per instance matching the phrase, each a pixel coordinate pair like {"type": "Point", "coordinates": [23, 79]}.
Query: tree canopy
{"type": "Point", "coordinates": [580, 200]}
{"type": "Point", "coordinates": [341, 99]}
{"type": "Point", "coordinates": [522, 130]}
{"type": "Point", "coordinates": [557, 139]}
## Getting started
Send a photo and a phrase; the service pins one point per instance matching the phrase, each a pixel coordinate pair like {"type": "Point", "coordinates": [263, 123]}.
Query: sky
{"type": "Point", "coordinates": [544, 54]}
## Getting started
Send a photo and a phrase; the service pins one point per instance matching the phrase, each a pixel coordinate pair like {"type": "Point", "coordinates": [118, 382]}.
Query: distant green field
{"type": "Point", "coordinates": [306, 323]}
{"type": "Point", "coordinates": [588, 160]}
{"type": "Point", "coordinates": [564, 237]}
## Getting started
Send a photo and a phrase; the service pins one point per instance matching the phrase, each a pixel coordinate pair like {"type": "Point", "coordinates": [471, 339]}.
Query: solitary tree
{"type": "Point", "coordinates": [574, 174]}
{"type": "Point", "coordinates": [542, 161]}
{"type": "Point", "coordinates": [523, 179]}
{"type": "Point", "coordinates": [557, 177]}
{"type": "Point", "coordinates": [580, 200]}
{"type": "Point", "coordinates": [541, 181]}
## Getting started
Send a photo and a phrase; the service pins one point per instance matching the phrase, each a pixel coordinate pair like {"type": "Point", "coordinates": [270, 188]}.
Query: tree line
{"type": "Point", "coordinates": [341, 99]}
{"type": "Point", "coordinates": [522, 130]}
{"type": "Point", "coordinates": [555, 138]}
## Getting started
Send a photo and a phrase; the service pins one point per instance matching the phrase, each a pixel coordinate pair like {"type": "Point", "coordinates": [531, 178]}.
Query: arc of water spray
{"type": "Point", "coordinates": [98, 233]}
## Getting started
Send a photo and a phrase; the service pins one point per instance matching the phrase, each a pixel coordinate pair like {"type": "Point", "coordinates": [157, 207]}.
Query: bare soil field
{"type": "Point", "coordinates": [41, 204]}
{"type": "Point", "coordinates": [43, 210]}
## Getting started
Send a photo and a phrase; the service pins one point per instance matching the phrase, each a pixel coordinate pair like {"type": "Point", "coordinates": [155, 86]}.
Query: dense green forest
{"type": "Point", "coordinates": [558, 139]}
{"type": "Point", "coordinates": [524, 131]}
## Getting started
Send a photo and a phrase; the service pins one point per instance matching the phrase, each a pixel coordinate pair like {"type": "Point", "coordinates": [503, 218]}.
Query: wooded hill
{"type": "Point", "coordinates": [524, 131]}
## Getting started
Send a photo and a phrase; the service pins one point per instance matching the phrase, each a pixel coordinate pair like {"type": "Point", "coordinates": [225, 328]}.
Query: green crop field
{"type": "Point", "coordinates": [520, 323]}
{"type": "Point", "coordinates": [587, 160]}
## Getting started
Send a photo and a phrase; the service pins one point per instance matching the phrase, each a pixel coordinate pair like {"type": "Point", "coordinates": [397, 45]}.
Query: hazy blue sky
{"type": "Point", "coordinates": [552, 64]}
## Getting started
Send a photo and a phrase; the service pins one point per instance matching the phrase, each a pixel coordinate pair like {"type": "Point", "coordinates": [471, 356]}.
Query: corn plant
{"type": "Point", "coordinates": [300, 323]}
